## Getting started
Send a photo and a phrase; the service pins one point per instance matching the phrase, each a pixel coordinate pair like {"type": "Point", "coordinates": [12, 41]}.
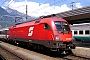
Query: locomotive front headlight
{"type": "Point", "coordinates": [57, 37]}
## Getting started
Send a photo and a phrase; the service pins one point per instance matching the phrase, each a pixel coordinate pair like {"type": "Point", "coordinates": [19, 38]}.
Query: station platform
{"type": "Point", "coordinates": [82, 51]}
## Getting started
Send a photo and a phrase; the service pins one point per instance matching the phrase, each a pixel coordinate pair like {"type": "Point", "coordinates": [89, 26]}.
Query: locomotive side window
{"type": "Point", "coordinates": [81, 32]}
{"type": "Point", "coordinates": [46, 27]}
{"type": "Point", "coordinates": [75, 32]}
{"type": "Point", "coordinates": [87, 32]}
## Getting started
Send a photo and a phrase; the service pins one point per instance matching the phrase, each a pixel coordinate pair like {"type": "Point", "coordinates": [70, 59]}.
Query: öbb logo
{"type": "Point", "coordinates": [30, 31]}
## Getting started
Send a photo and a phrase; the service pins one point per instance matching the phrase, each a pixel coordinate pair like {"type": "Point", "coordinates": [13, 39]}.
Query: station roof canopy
{"type": "Point", "coordinates": [76, 16]}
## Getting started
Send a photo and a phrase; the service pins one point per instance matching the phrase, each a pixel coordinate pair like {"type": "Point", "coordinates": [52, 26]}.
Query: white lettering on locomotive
{"type": "Point", "coordinates": [30, 31]}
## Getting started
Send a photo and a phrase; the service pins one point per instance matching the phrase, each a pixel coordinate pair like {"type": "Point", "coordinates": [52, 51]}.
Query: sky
{"type": "Point", "coordinates": [38, 8]}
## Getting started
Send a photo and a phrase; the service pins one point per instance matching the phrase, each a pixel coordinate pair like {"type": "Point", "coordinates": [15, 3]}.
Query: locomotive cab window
{"type": "Point", "coordinates": [46, 27]}
{"type": "Point", "coordinates": [62, 26]}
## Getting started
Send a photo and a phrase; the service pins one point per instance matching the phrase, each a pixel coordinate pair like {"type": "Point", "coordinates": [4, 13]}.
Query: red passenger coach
{"type": "Point", "coordinates": [53, 33]}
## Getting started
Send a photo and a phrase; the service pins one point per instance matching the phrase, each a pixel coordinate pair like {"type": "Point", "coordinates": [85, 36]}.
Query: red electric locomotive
{"type": "Point", "coordinates": [52, 32]}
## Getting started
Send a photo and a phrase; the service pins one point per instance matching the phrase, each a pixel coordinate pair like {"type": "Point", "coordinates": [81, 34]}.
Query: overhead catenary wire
{"type": "Point", "coordinates": [3, 2]}
{"type": "Point", "coordinates": [10, 16]}
{"type": "Point", "coordinates": [46, 6]}
{"type": "Point", "coordinates": [7, 4]}
{"type": "Point", "coordinates": [10, 2]}
{"type": "Point", "coordinates": [72, 5]}
{"type": "Point", "coordinates": [53, 2]}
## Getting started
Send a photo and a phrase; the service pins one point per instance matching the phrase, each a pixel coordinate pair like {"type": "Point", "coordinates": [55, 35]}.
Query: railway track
{"type": "Point", "coordinates": [6, 55]}
{"type": "Point", "coordinates": [67, 57]}
{"type": "Point", "coordinates": [1, 57]}
{"type": "Point", "coordinates": [82, 44]}
{"type": "Point", "coordinates": [73, 57]}
{"type": "Point", "coordinates": [37, 55]}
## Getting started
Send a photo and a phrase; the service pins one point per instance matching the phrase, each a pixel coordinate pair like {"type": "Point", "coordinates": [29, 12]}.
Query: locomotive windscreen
{"type": "Point", "coordinates": [62, 26]}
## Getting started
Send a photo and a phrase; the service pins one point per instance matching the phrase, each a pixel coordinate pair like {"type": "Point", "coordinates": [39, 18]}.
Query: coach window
{"type": "Point", "coordinates": [81, 32]}
{"type": "Point", "coordinates": [87, 32]}
{"type": "Point", "coordinates": [75, 32]}
{"type": "Point", "coordinates": [46, 27]}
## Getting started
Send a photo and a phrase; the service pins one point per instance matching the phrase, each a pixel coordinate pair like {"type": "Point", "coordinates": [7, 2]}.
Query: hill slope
{"type": "Point", "coordinates": [8, 17]}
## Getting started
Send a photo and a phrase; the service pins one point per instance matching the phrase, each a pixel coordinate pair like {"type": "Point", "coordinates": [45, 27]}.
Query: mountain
{"type": "Point", "coordinates": [3, 12]}
{"type": "Point", "coordinates": [13, 12]}
{"type": "Point", "coordinates": [16, 13]}
{"type": "Point", "coordinates": [8, 17]}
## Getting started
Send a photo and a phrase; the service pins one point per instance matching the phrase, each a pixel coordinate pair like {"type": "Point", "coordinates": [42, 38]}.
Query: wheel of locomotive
{"type": "Point", "coordinates": [35, 46]}
{"type": "Point", "coordinates": [28, 45]}
{"type": "Point", "coordinates": [38, 47]}
{"type": "Point", "coordinates": [69, 52]}
{"type": "Point", "coordinates": [41, 47]}
{"type": "Point", "coordinates": [10, 41]}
